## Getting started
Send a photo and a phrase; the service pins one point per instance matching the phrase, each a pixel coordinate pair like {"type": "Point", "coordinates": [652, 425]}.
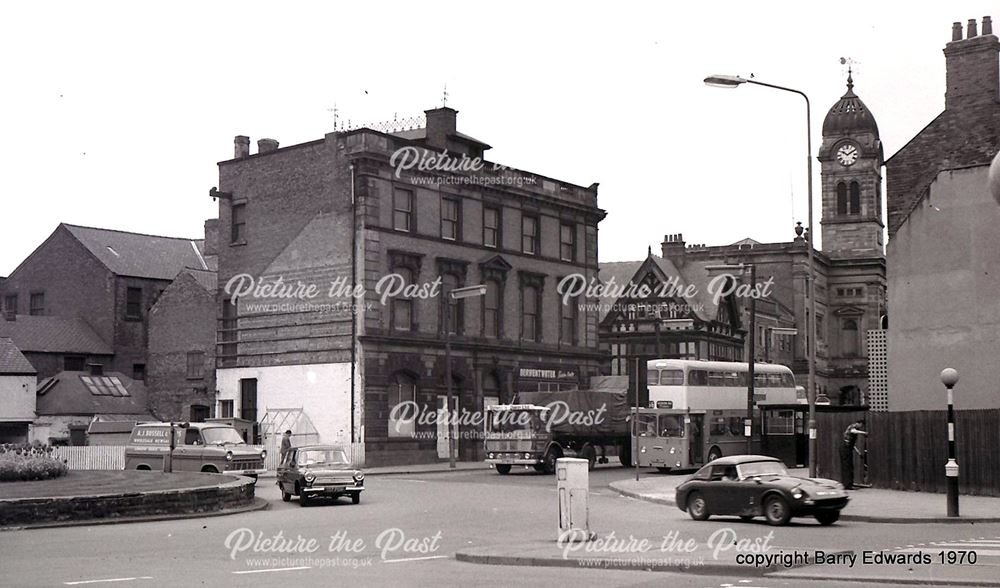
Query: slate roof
{"type": "Point", "coordinates": [206, 278]}
{"type": "Point", "coordinates": [53, 334]}
{"type": "Point", "coordinates": [138, 255]}
{"type": "Point", "coordinates": [12, 362]}
{"type": "Point", "coordinates": [66, 394]}
{"type": "Point", "coordinates": [420, 134]}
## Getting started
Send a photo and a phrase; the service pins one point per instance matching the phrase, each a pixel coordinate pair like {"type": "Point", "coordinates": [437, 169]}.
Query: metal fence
{"type": "Point", "coordinates": [112, 457]}
{"type": "Point", "coordinates": [908, 450]}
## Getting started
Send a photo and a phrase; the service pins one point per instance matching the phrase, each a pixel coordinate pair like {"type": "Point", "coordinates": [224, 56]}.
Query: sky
{"type": "Point", "coordinates": [114, 115]}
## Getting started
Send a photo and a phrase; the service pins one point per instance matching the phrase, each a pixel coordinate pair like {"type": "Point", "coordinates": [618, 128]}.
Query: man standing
{"type": "Point", "coordinates": [286, 447]}
{"type": "Point", "coordinates": [847, 452]}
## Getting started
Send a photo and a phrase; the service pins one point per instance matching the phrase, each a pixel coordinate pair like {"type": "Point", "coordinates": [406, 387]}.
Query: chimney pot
{"type": "Point", "coordinates": [956, 31]}
{"type": "Point", "coordinates": [971, 32]}
{"type": "Point", "coordinates": [987, 25]}
{"type": "Point", "coordinates": [242, 143]}
{"type": "Point", "coordinates": [266, 145]}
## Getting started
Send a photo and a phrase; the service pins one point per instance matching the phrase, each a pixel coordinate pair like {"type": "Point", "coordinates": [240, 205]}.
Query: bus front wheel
{"type": "Point", "coordinates": [714, 454]}
{"type": "Point", "coordinates": [503, 469]}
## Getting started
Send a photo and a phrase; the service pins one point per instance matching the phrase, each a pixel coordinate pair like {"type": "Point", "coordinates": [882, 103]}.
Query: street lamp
{"type": "Point", "coordinates": [949, 377]}
{"type": "Point", "coordinates": [452, 298]}
{"type": "Point", "coordinates": [724, 81]}
{"type": "Point", "coordinates": [751, 350]}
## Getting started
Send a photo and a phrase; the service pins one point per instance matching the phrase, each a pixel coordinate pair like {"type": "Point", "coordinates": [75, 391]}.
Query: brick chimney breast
{"type": "Point", "coordinates": [211, 237]}
{"type": "Point", "coordinates": [972, 66]}
{"type": "Point", "coordinates": [441, 122]}
{"type": "Point", "coordinates": [266, 145]}
{"type": "Point", "coordinates": [242, 143]}
{"type": "Point", "coordinates": [673, 248]}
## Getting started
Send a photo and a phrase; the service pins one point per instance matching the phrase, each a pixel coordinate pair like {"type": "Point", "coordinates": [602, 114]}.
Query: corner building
{"type": "Point", "coordinates": [349, 214]}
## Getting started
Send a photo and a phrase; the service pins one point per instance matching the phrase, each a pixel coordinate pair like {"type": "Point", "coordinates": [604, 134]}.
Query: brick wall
{"type": "Point", "coordinates": [182, 321]}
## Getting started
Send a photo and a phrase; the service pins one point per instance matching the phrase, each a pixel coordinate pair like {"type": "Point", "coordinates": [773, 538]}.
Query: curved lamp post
{"type": "Point", "coordinates": [724, 81]}
{"type": "Point", "coordinates": [949, 377]}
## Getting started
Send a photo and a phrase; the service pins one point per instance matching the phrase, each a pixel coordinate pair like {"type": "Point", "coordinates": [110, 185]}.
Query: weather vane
{"type": "Point", "coordinates": [850, 63]}
{"type": "Point", "coordinates": [444, 97]}
{"type": "Point", "coordinates": [336, 115]}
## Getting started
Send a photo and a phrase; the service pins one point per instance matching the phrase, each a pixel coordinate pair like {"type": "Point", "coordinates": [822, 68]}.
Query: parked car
{"type": "Point", "coordinates": [756, 485]}
{"type": "Point", "coordinates": [319, 470]}
{"type": "Point", "coordinates": [198, 447]}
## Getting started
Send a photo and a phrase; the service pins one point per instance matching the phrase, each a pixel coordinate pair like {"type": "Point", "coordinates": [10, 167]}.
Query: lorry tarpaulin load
{"type": "Point", "coordinates": [594, 413]}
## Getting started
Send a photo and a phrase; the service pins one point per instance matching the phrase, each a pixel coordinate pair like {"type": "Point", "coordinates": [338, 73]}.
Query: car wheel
{"type": "Point", "coordinates": [714, 454]}
{"type": "Point", "coordinates": [776, 511]}
{"type": "Point", "coordinates": [589, 454]}
{"type": "Point", "coordinates": [356, 498]}
{"type": "Point", "coordinates": [697, 507]}
{"type": "Point", "coordinates": [539, 467]}
{"type": "Point", "coordinates": [503, 469]}
{"type": "Point", "coordinates": [550, 460]}
{"type": "Point", "coordinates": [285, 496]}
{"type": "Point", "coordinates": [304, 500]}
{"type": "Point", "coordinates": [828, 518]}
{"type": "Point", "coordinates": [625, 455]}
{"type": "Point", "coordinates": [663, 470]}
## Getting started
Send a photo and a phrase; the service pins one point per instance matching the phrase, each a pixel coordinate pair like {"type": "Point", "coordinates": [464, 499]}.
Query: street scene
{"type": "Point", "coordinates": [568, 293]}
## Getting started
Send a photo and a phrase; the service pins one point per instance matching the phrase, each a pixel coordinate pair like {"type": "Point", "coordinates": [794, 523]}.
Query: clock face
{"type": "Point", "coordinates": [847, 154]}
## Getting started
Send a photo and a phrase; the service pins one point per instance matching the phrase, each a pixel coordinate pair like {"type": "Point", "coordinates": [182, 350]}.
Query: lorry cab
{"type": "Point", "coordinates": [198, 447]}
{"type": "Point", "coordinates": [668, 438]}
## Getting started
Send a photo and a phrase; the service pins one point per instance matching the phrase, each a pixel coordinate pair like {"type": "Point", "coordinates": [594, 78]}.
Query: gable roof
{"type": "Point", "coordinates": [53, 334]}
{"type": "Point", "coordinates": [138, 255]}
{"type": "Point", "coordinates": [623, 272]}
{"type": "Point", "coordinates": [12, 362]}
{"type": "Point", "coordinates": [66, 394]}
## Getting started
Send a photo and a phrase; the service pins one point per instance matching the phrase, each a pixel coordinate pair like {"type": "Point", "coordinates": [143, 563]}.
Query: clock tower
{"type": "Point", "coordinates": [851, 169]}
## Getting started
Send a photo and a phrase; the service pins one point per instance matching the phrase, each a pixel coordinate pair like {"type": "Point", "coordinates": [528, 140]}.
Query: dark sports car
{"type": "Point", "coordinates": [319, 470]}
{"type": "Point", "coordinates": [756, 485]}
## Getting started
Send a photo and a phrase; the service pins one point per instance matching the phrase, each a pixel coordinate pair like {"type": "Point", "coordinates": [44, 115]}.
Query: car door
{"type": "Point", "coordinates": [286, 473]}
{"type": "Point", "coordinates": [724, 484]}
{"type": "Point", "coordinates": [187, 452]}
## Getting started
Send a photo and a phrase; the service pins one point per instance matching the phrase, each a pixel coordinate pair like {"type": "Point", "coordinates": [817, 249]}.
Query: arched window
{"type": "Point", "coordinates": [849, 337]}
{"type": "Point", "coordinates": [855, 198]}
{"type": "Point", "coordinates": [402, 397]}
{"type": "Point", "coordinates": [841, 198]}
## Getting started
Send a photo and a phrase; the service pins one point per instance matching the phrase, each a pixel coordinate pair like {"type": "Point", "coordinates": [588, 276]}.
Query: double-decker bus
{"type": "Point", "coordinates": [697, 410]}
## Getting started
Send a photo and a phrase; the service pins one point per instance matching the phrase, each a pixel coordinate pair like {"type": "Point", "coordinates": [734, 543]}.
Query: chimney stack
{"type": "Point", "coordinates": [972, 66]}
{"type": "Point", "coordinates": [266, 145]}
{"type": "Point", "coordinates": [242, 143]}
{"type": "Point", "coordinates": [441, 122]}
{"type": "Point", "coordinates": [211, 237]}
{"type": "Point", "coordinates": [673, 248]}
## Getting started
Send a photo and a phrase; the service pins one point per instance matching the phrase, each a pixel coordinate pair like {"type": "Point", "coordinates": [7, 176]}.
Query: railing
{"type": "Point", "coordinates": [112, 457]}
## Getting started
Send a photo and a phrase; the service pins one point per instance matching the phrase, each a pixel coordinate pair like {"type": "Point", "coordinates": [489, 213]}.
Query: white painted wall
{"type": "Point", "coordinates": [17, 398]}
{"type": "Point", "coordinates": [322, 391]}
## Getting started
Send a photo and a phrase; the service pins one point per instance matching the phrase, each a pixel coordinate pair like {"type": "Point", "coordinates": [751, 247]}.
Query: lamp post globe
{"type": "Point", "coordinates": [949, 377]}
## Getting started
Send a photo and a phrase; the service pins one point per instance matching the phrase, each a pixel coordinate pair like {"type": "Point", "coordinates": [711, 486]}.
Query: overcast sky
{"type": "Point", "coordinates": [114, 115]}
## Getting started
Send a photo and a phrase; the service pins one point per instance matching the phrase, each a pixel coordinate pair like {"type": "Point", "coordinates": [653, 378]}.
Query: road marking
{"type": "Point", "coordinates": [273, 570]}
{"type": "Point", "coordinates": [409, 480]}
{"type": "Point", "coordinates": [416, 558]}
{"type": "Point", "coordinates": [80, 582]}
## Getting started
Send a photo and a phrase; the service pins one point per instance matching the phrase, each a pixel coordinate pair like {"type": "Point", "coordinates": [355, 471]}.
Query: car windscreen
{"type": "Point", "coordinates": [221, 436]}
{"type": "Point", "coordinates": [322, 457]}
{"type": "Point", "coordinates": [762, 468]}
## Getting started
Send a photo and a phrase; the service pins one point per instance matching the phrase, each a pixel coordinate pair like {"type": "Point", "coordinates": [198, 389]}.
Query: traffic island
{"type": "Point", "coordinates": [85, 496]}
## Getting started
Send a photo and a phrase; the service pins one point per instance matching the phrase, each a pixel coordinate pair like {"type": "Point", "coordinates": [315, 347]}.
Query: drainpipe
{"type": "Point", "coordinates": [354, 310]}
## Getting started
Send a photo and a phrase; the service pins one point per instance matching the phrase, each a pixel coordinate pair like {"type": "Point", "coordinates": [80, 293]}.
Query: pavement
{"type": "Point", "coordinates": [870, 505]}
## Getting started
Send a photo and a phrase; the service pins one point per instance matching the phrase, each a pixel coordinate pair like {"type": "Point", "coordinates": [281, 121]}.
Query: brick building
{"type": "Point", "coordinates": [53, 343]}
{"type": "Point", "coordinates": [850, 276]}
{"type": "Point", "coordinates": [180, 378]}
{"type": "Point", "coordinates": [944, 271]}
{"type": "Point", "coordinates": [108, 279]}
{"type": "Point", "coordinates": [349, 211]}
